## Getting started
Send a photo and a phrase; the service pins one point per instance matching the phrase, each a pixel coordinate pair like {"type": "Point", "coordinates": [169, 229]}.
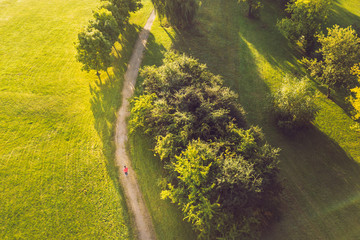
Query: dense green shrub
{"type": "Point", "coordinates": [294, 105]}
{"type": "Point", "coordinates": [220, 172]}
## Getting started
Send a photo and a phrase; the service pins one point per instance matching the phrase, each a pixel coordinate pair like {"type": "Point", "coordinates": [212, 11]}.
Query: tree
{"type": "Point", "coordinates": [180, 13]}
{"type": "Point", "coordinates": [127, 6]}
{"type": "Point", "coordinates": [305, 21]}
{"type": "Point", "coordinates": [93, 50]}
{"type": "Point", "coordinates": [193, 187]}
{"type": "Point", "coordinates": [121, 9]}
{"type": "Point", "coordinates": [340, 50]}
{"type": "Point", "coordinates": [294, 104]}
{"type": "Point", "coordinates": [121, 15]}
{"type": "Point", "coordinates": [253, 7]}
{"type": "Point", "coordinates": [105, 22]}
{"type": "Point", "coordinates": [355, 100]}
{"type": "Point", "coordinates": [219, 171]}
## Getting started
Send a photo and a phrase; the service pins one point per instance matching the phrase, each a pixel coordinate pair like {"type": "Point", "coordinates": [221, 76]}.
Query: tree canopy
{"type": "Point", "coordinates": [340, 50]}
{"type": "Point", "coordinates": [93, 50]}
{"type": "Point", "coordinates": [106, 23]}
{"type": "Point", "coordinates": [95, 42]}
{"type": "Point", "coordinates": [220, 171]}
{"type": "Point", "coordinates": [305, 20]}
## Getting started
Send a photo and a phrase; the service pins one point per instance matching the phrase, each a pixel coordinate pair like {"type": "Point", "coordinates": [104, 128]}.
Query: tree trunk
{"type": "Point", "coordinates": [328, 92]}
{"type": "Point", "coordinates": [250, 10]}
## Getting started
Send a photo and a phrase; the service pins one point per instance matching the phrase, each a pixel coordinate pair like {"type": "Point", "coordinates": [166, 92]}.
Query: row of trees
{"type": "Point", "coordinates": [331, 56]}
{"type": "Point", "coordinates": [97, 39]}
{"type": "Point", "coordinates": [220, 172]}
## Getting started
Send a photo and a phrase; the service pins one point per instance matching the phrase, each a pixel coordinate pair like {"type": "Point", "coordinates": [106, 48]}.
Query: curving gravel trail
{"type": "Point", "coordinates": [135, 201]}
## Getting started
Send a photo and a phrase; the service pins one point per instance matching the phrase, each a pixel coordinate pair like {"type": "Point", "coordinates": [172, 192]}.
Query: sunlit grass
{"type": "Point", "coordinates": [57, 177]}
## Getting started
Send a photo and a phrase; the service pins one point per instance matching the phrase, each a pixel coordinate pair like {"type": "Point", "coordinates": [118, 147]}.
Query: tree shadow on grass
{"type": "Point", "coordinates": [154, 53]}
{"type": "Point", "coordinates": [342, 17]}
{"type": "Point", "coordinates": [266, 38]}
{"type": "Point", "coordinates": [106, 100]}
{"type": "Point", "coordinates": [215, 41]}
{"type": "Point", "coordinates": [322, 191]}
{"type": "Point", "coordinates": [339, 96]}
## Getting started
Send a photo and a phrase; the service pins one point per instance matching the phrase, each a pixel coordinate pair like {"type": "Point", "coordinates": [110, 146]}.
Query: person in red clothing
{"type": "Point", "coordinates": [125, 170]}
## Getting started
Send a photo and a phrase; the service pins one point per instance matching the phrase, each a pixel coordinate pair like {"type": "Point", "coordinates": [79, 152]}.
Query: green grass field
{"type": "Point", "coordinates": [320, 166]}
{"type": "Point", "coordinates": [57, 177]}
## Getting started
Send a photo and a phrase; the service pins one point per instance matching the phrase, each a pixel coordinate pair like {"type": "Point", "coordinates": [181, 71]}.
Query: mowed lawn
{"type": "Point", "coordinates": [320, 166]}
{"type": "Point", "coordinates": [57, 177]}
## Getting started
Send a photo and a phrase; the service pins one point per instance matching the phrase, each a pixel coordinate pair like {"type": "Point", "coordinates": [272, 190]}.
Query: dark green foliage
{"type": "Point", "coordinates": [294, 105]}
{"type": "Point", "coordinates": [340, 50]}
{"type": "Point", "coordinates": [180, 13]}
{"type": "Point", "coordinates": [192, 99]}
{"type": "Point", "coordinates": [305, 21]}
{"type": "Point", "coordinates": [95, 43]}
{"type": "Point", "coordinates": [220, 172]}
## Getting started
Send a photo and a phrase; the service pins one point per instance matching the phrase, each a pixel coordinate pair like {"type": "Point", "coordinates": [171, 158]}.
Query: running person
{"type": "Point", "coordinates": [125, 170]}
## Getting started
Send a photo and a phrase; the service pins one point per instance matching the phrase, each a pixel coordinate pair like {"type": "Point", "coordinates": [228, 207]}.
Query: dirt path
{"type": "Point", "coordinates": [135, 201]}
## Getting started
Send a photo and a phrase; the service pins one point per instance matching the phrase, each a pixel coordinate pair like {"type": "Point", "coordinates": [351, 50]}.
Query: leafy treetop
{"type": "Point", "coordinates": [305, 21]}
{"type": "Point", "coordinates": [220, 172]}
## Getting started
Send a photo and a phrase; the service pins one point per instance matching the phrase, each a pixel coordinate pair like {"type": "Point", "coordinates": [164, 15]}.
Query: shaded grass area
{"type": "Point", "coordinates": [57, 177]}
{"type": "Point", "coordinates": [320, 165]}
{"type": "Point", "coordinates": [345, 13]}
